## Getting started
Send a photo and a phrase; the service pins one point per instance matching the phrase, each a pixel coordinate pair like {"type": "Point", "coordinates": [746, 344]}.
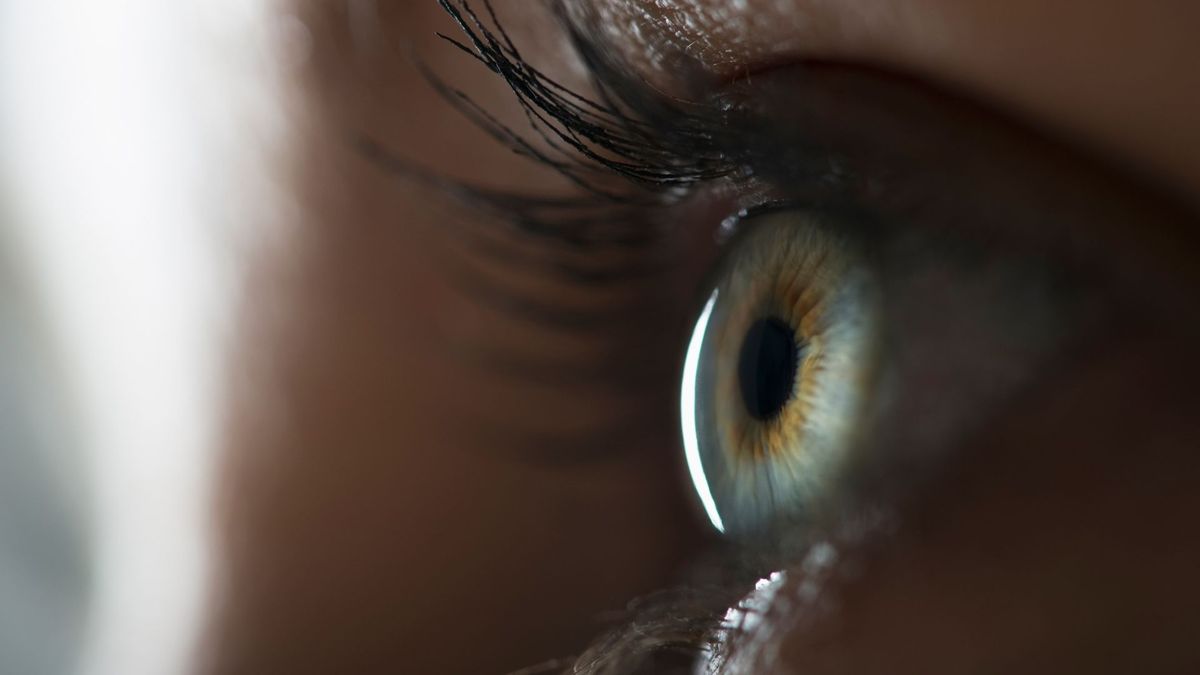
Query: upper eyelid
{"type": "Point", "coordinates": [723, 135]}
{"type": "Point", "coordinates": [628, 127]}
{"type": "Point", "coordinates": [1136, 105]}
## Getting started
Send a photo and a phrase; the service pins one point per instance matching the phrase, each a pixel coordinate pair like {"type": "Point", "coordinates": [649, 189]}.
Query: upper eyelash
{"type": "Point", "coordinates": [587, 135]}
{"type": "Point", "coordinates": [631, 168]}
{"type": "Point", "coordinates": [630, 150]}
{"type": "Point", "coordinates": [633, 154]}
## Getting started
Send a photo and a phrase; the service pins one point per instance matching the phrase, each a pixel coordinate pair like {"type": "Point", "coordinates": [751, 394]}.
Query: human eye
{"type": "Point", "coordinates": [899, 269]}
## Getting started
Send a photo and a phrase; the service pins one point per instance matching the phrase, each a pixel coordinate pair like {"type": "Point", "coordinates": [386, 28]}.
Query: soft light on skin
{"type": "Point", "coordinates": [687, 415]}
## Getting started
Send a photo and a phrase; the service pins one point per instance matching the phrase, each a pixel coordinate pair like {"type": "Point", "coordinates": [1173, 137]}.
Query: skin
{"type": "Point", "coordinates": [1116, 78]}
{"type": "Point", "coordinates": [365, 528]}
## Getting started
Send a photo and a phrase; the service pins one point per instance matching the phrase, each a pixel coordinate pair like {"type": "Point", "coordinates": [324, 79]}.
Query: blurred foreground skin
{"type": "Point", "coordinates": [365, 528]}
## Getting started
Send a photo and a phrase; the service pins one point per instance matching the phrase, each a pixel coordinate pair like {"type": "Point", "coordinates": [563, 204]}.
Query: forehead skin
{"type": "Point", "coordinates": [1119, 76]}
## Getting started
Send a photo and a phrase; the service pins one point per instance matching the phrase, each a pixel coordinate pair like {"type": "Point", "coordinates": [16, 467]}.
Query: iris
{"type": "Point", "coordinates": [781, 371]}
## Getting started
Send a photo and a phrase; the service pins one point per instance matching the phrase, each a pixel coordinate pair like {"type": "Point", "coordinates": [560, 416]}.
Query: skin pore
{"type": "Point", "coordinates": [379, 514]}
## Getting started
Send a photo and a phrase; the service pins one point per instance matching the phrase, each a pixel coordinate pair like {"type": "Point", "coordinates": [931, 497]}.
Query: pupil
{"type": "Point", "coordinates": [767, 367]}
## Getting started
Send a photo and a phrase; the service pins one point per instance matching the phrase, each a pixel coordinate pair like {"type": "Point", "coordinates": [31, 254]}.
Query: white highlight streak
{"type": "Point", "coordinates": [687, 415]}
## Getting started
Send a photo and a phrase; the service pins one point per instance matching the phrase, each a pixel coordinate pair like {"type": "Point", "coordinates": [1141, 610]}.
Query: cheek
{"type": "Point", "coordinates": [1057, 545]}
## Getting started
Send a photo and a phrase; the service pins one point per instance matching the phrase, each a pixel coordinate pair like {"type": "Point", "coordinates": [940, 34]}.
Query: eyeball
{"type": "Point", "coordinates": [778, 373]}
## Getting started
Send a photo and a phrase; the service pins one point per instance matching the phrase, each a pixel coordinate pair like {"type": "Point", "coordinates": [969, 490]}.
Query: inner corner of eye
{"type": "Point", "coordinates": [774, 382]}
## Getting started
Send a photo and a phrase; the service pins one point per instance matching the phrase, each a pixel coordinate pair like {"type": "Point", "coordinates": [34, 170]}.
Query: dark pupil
{"type": "Point", "coordinates": [767, 367]}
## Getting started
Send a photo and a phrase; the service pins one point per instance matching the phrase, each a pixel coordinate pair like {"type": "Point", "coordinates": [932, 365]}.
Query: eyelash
{"type": "Point", "coordinates": [589, 135]}
{"type": "Point", "coordinates": [633, 152]}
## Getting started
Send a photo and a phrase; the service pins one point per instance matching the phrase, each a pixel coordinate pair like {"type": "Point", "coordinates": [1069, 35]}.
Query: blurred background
{"type": "Point", "coordinates": [116, 117]}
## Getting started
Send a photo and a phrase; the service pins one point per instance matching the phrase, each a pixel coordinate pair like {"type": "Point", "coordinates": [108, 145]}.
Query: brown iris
{"type": "Point", "coordinates": [784, 366]}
